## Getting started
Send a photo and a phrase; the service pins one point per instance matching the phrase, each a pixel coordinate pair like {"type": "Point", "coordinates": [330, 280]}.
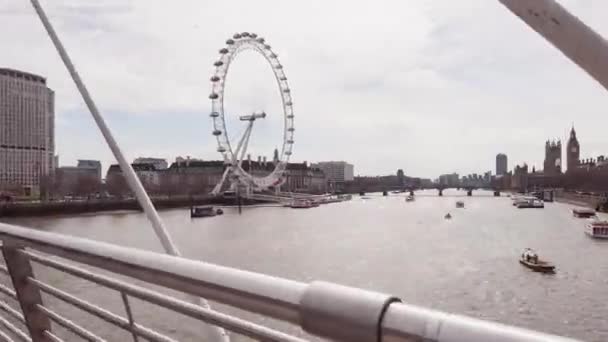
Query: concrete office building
{"type": "Point", "coordinates": [27, 142]}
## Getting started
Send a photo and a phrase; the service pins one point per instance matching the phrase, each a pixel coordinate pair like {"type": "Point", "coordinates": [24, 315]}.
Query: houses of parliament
{"type": "Point", "coordinates": [589, 174]}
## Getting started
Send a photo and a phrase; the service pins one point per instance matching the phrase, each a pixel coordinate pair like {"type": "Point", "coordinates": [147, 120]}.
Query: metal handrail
{"type": "Point", "coordinates": [328, 310]}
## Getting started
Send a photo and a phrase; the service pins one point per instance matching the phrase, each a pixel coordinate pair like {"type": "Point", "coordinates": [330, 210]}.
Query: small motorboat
{"type": "Point", "coordinates": [448, 216]}
{"type": "Point", "coordinates": [459, 204]}
{"type": "Point", "coordinates": [583, 212]}
{"type": "Point", "coordinates": [204, 211]}
{"type": "Point", "coordinates": [529, 258]}
{"type": "Point", "coordinates": [597, 229]}
{"type": "Point", "coordinates": [410, 198]}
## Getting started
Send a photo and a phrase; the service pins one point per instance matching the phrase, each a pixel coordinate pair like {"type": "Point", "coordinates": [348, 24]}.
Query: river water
{"type": "Point", "coordinates": [466, 265]}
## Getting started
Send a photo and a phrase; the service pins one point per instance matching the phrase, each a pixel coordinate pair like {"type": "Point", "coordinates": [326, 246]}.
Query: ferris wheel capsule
{"type": "Point", "coordinates": [223, 51]}
{"type": "Point", "coordinates": [229, 42]}
{"type": "Point", "coordinates": [213, 96]}
{"type": "Point", "coordinates": [267, 47]}
{"type": "Point", "coordinates": [217, 132]}
{"type": "Point", "coordinates": [237, 36]}
{"type": "Point", "coordinates": [215, 78]}
{"type": "Point", "coordinates": [260, 40]}
{"type": "Point", "coordinates": [214, 114]}
{"type": "Point", "coordinates": [218, 63]}
{"type": "Point", "coordinates": [253, 35]}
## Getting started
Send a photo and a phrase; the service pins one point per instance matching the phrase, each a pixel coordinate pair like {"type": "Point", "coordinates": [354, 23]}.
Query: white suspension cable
{"type": "Point", "coordinates": [126, 168]}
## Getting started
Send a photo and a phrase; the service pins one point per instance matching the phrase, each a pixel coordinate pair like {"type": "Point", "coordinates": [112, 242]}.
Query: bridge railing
{"type": "Point", "coordinates": [321, 309]}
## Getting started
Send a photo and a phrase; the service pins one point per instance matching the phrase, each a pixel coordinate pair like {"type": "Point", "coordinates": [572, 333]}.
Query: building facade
{"type": "Point", "coordinates": [573, 151]}
{"type": "Point", "coordinates": [27, 131]}
{"type": "Point", "coordinates": [76, 181]}
{"type": "Point", "coordinates": [337, 173]}
{"type": "Point", "coordinates": [501, 164]}
{"type": "Point", "coordinates": [553, 158]}
{"type": "Point", "coordinates": [94, 165]}
{"type": "Point", "coordinates": [159, 163]}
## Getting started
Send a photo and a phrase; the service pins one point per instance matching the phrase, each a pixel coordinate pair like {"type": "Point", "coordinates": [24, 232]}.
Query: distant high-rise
{"type": "Point", "coordinates": [572, 151]}
{"type": "Point", "coordinates": [501, 164]}
{"type": "Point", "coordinates": [27, 130]}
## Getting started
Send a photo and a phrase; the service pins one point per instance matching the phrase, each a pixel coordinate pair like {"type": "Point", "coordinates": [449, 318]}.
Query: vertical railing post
{"type": "Point", "coordinates": [28, 295]}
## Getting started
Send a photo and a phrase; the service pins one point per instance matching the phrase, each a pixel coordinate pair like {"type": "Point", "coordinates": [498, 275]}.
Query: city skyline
{"type": "Point", "coordinates": [460, 106]}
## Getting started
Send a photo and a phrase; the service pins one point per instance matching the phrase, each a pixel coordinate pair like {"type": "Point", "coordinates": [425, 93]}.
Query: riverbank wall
{"type": "Point", "coordinates": [25, 209]}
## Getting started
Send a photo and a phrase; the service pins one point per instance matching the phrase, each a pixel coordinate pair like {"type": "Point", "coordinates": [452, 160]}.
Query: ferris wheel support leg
{"type": "Point", "coordinates": [218, 187]}
{"type": "Point", "coordinates": [130, 176]}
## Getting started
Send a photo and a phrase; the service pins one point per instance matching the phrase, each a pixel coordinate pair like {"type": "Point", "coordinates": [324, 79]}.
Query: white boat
{"type": "Point", "coordinates": [531, 203]}
{"type": "Point", "coordinates": [410, 198]}
{"type": "Point", "coordinates": [517, 200]}
{"type": "Point", "coordinates": [583, 212]}
{"type": "Point", "coordinates": [302, 204]}
{"type": "Point", "coordinates": [597, 229]}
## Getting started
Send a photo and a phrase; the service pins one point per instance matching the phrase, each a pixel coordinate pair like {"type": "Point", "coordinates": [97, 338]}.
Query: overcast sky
{"type": "Point", "coordinates": [429, 86]}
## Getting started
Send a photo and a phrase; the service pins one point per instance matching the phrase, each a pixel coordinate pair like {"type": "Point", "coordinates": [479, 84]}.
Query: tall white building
{"type": "Point", "coordinates": [337, 171]}
{"type": "Point", "coordinates": [27, 130]}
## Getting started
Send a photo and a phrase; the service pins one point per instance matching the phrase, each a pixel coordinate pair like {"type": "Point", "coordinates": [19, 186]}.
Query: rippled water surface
{"type": "Point", "coordinates": [466, 265]}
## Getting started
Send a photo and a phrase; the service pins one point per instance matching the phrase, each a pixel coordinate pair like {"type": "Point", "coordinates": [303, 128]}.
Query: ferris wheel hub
{"type": "Point", "coordinates": [253, 116]}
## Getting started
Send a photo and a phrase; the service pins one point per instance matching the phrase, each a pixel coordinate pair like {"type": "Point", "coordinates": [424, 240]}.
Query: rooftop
{"type": "Point", "coordinates": [22, 74]}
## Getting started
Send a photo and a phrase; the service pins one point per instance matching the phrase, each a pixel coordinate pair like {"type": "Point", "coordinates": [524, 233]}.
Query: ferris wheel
{"type": "Point", "coordinates": [234, 157]}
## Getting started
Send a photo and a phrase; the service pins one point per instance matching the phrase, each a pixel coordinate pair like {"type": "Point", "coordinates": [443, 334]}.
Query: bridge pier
{"type": "Point", "coordinates": [411, 192]}
{"type": "Point", "coordinates": [384, 193]}
{"type": "Point", "coordinates": [469, 192]}
{"type": "Point", "coordinates": [440, 192]}
{"type": "Point", "coordinates": [496, 193]}
{"type": "Point", "coordinates": [361, 193]}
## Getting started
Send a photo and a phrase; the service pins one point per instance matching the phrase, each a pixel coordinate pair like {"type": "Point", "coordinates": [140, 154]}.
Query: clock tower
{"type": "Point", "coordinates": [572, 151]}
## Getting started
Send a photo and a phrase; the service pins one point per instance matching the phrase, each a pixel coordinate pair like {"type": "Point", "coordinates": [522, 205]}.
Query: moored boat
{"type": "Point", "coordinates": [597, 229]}
{"type": "Point", "coordinates": [530, 259]}
{"type": "Point", "coordinates": [459, 204]}
{"type": "Point", "coordinates": [205, 211]}
{"type": "Point", "coordinates": [517, 200]}
{"type": "Point", "coordinates": [410, 198]}
{"type": "Point", "coordinates": [583, 212]}
{"type": "Point", "coordinates": [535, 203]}
{"type": "Point", "coordinates": [448, 216]}
{"type": "Point", "coordinates": [302, 204]}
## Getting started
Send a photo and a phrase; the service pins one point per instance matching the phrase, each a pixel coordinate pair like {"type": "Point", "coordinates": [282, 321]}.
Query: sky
{"type": "Point", "coordinates": [427, 86]}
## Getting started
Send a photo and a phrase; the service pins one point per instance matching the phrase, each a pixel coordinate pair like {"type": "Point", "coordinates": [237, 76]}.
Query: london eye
{"type": "Point", "coordinates": [233, 153]}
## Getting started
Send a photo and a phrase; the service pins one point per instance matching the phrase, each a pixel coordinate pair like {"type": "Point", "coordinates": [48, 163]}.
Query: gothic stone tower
{"type": "Point", "coordinates": [572, 151]}
{"type": "Point", "coordinates": [553, 158]}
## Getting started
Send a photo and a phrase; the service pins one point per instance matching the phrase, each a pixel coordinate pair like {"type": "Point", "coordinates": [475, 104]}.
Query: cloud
{"type": "Point", "coordinates": [428, 86]}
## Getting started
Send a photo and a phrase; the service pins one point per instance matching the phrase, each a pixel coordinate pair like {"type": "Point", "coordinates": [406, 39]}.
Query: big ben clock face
{"type": "Point", "coordinates": [574, 149]}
